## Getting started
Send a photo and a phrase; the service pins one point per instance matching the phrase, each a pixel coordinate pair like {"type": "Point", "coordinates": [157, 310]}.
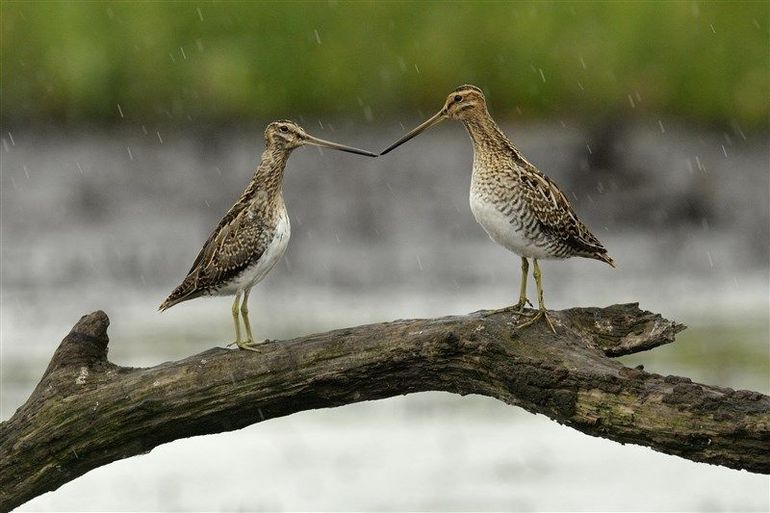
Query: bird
{"type": "Point", "coordinates": [519, 207]}
{"type": "Point", "coordinates": [252, 236]}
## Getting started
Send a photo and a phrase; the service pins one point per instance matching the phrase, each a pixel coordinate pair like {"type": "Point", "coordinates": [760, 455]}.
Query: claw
{"type": "Point", "coordinates": [537, 316]}
{"type": "Point", "coordinates": [246, 345]}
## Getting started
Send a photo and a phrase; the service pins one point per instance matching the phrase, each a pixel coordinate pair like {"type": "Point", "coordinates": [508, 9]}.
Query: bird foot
{"type": "Point", "coordinates": [537, 315]}
{"type": "Point", "coordinates": [246, 345]}
{"type": "Point", "coordinates": [521, 305]}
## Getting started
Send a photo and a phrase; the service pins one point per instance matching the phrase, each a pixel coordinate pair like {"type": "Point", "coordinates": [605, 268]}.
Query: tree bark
{"type": "Point", "coordinates": [87, 412]}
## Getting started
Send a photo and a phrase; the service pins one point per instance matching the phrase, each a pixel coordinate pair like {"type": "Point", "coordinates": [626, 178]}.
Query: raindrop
{"type": "Point", "coordinates": [184, 55]}
{"type": "Point", "coordinates": [10, 136]}
{"type": "Point", "coordinates": [80, 168]}
{"type": "Point", "coordinates": [662, 129]}
{"type": "Point", "coordinates": [711, 261]}
{"type": "Point", "coordinates": [337, 235]}
{"type": "Point", "coordinates": [417, 68]}
{"type": "Point", "coordinates": [120, 111]}
{"type": "Point", "coordinates": [580, 85]}
{"type": "Point", "coordinates": [588, 147]}
{"type": "Point", "coordinates": [738, 130]}
{"type": "Point", "coordinates": [631, 101]}
{"type": "Point", "coordinates": [130, 155]}
{"type": "Point", "coordinates": [583, 62]}
{"type": "Point", "coordinates": [712, 28]}
{"type": "Point", "coordinates": [159, 137]}
{"type": "Point", "coordinates": [200, 14]}
{"type": "Point", "coordinates": [756, 23]}
{"type": "Point", "coordinates": [317, 36]}
{"type": "Point", "coordinates": [172, 58]}
{"type": "Point", "coordinates": [419, 262]}
{"type": "Point", "coordinates": [144, 129]}
{"type": "Point", "coordinates": [724, 150]}
{"type": "Point", "coordinates": [26, 171]}
{"type": "Point", "coordinates": [208, 205]}
{"type": "Point", "coordinates": [698, 163]}
{"type": "Point", "coordinates": [542, 75]}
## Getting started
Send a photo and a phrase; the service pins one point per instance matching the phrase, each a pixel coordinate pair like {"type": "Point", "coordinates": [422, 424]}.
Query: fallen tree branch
{"type": "Point", "coordinates": [87, 412]}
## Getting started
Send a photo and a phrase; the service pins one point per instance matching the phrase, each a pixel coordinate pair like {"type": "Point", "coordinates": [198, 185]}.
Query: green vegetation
{"type": "Point", "coordinates": [76, 61]}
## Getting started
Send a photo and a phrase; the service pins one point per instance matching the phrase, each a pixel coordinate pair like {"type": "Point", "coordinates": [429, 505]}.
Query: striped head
{"type": "Point", "coordinates": [465, 102]}
{"type": "Point", "coordinates": [288, 135]}
{"type": "Point", "coordinates": [284, 134]}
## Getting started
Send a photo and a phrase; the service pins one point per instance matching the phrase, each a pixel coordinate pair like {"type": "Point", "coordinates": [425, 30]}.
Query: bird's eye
{"type": "Point", "coordinates": [458, 98]}
{"type": "Point", "coordinates": [284, 129]}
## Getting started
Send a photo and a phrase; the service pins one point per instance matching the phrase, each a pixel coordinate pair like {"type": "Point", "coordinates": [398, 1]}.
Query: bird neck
{"type": "Point", "coordinates": [488, 140]}
{"type": "Point", "coordinates": [268, 178]}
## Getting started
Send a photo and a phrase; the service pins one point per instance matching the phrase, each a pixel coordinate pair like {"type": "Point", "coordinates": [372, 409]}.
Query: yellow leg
{"type": "Point", "coordinates": [540, 302]}
{"type": "Point", "coordinates": [235, 320]}
{"type": "Point", "coordinates": [245, 316]}
{"type": "Point", "coordinates": [523, 290]}
{"type": "Point", "coordinates": [243, 311]}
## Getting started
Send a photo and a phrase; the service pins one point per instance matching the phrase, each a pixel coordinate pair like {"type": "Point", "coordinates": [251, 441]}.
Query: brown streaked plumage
{"type": "Point", "coordinates": [518, 206]}
{"type": "Point", "coordinates": [253, 234]}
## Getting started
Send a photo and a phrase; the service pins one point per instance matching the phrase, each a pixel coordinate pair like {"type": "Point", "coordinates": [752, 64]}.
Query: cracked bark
{"type": "Point", "coordinates": [87, 412]}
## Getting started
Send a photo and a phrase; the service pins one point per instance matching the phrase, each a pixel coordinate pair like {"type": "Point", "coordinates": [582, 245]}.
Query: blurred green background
{"type": "Point", "coordinates": [76, 61]}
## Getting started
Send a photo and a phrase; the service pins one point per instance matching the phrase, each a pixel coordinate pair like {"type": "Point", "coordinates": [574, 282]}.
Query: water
{"type": "Point", "coordinates": [87, 226]}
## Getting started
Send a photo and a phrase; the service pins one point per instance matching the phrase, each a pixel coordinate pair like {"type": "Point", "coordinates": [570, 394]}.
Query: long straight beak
{"type": "Point", "coordinates": [435, 120]}
{"type": "Point", "coordinates": [328, 144]}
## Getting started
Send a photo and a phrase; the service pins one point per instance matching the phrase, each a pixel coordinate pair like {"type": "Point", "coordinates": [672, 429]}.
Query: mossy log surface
{"type": "Point", "coordinates": [87, 412]}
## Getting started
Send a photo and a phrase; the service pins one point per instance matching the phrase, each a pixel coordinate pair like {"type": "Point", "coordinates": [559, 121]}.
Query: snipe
{"type": "Point", "coordinates": [251, 238]}
{"type": "Point", "coordinates": [518, 206]}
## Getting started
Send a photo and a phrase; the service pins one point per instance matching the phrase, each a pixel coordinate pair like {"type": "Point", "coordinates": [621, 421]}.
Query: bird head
{"type": "Point", "coordinates": [465, 102]}
{"type": "Point", "coordinates": [289, 136]}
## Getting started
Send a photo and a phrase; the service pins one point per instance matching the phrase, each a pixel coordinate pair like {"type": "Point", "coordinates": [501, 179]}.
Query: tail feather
{"type": "Point", "coordinates": [604, 257]}
{"type": "Point", "coordinates": [185, 291]}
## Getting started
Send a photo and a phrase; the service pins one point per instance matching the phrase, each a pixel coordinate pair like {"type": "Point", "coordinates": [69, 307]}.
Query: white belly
{"type": "Point", "coordinates": [258, 270]}
{"type": "Point", "coordinates": [501, 230]}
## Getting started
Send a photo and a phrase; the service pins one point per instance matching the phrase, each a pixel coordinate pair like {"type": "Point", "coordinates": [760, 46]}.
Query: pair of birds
{"type": "Point", "coordinates": [519, 207]}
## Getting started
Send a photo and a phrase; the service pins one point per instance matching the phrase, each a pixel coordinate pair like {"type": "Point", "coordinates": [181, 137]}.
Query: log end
{"type": "Point", "coordinates": [623, 329]}
{"type": "Point", "coordinates": [85, 345]}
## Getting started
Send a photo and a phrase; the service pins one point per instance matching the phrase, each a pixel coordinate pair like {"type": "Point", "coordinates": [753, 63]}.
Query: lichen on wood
{"type": "Point", "coordinates": [87, 412]}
